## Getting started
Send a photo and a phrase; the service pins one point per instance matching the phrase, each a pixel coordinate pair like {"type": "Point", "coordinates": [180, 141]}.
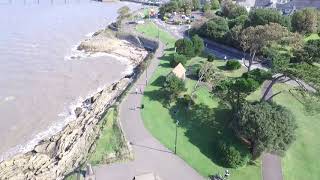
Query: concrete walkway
{"type": "Point", "coordinates": [271, 164]}
{"type": "Point", "coordinates": [150, 155]}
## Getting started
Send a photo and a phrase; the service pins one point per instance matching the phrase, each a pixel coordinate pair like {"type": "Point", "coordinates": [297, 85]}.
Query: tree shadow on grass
{"type": "Point", "coordinates": [165, 65]}
{"type": "Point", "coordinates": [166, 57]}
{"type": "Point", "coordinates": [170, 49]}
{"type": "Point", "coordinates": [159, 81]}
{"type": "Point", "coordinates": [158, 95]}
{"type": "Point", "coordinates": [166, 61]}
{"type": "Point", "coordinates": [223, 68]}
{"type": "Point", "coordinates": [205, 127]}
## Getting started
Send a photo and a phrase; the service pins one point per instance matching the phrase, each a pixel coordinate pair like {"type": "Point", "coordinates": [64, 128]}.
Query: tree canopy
{"type": "Point", "coordinates": [185, 46]}
{"type": "Point", "coordinates": [305, 21]}
{"type": "Point", "coordinates": [123, 12]}
{"type": "Point", "coordinates": [267, 126]}
{"type": "Point", "coordinates": [232, 10]}
{"type": "Point", "coordinates": [233, 92]}
{"type": "Point", "coordinates": [215, 4]}
{"type": "Point", "coordinates": [178, 58]}
{"type": "Point", "coordinates": [198, 44]}
{"type": "Point", "coordinates": [254, 39]}
{"type": "Point", "coordinates": [215, 28]}
{"type": "Point", "coordinates": [173, 86]}
{"type": "Point", "coordinates": [265, 16]}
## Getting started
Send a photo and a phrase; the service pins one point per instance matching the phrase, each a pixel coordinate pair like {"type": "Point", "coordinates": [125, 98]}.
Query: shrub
{"type": "Point", "coordinates": [198, 44]}
{"type": "Point", "coordinates": [178, 58]}
{"type": "Point", "coordinates": [233, 65]}
{"type": "Point", "coordinates": [258, 75]}
{"type": "Point", "coordinates": [194, 71]}
{"type": "Point", "coordinates": [210, 58]}
{"type": "Point", "coordinates": [215, 4]}
{"type": "Point", "coordinates": [231, 156]}
{"type": "Point", "coordinates": [187, 101]}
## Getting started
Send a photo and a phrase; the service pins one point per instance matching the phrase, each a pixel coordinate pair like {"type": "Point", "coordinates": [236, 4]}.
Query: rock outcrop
{"type": "Point", "coordinates": [106, 42]}
{"type": "Point", "coordinates": [59, 155]}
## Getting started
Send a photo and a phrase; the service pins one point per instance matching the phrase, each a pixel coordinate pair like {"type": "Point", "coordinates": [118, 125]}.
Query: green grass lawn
{"type": "Point", "coordinates": [197, 136]}
{"type": "Point", "coordinates": [110, 140]}
{"type": "Point", "coordinates": [312, 37]}
{"type": "Point", "coordinates": [302, 160]}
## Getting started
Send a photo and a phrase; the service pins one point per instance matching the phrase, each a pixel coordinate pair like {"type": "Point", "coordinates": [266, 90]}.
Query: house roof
{"type": "Point", "coordinates": [179, 71]}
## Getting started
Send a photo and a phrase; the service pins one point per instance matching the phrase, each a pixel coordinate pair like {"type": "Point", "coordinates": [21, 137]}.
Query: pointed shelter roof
{"type": "Point", "coordinates": [179, 71]}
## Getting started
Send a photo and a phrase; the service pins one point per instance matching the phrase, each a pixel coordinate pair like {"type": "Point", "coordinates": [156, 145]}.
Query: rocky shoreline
{"type": "Point", "coordinates": [61, 154]}
{"type": "Point", "coordinates": [105, 41]}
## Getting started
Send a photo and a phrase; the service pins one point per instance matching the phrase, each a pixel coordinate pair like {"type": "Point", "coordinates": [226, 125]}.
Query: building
{"type": "Point", "coordinates": [179, 71]}
{"type": "Point", "coordinates": [285, 6]}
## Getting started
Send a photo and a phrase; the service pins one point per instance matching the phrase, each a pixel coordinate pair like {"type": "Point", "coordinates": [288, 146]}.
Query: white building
{"type": "Point", "coordinates": [286, 6]}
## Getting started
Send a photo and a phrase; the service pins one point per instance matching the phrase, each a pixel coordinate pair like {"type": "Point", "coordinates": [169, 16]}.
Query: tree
{"type": "Point", "coordinates": [215, 29]}
{"type": "Point", "coordinates": [198, 44]}
{"type": "Point", "coordinates": [233, 92]}
{"type": "Point", "coordinates": [231, 10]}
{"type": "Point", "coordinates": [184, 46]}
{"type": "Point", "coordinates": [306, 75]}
{"type": "Point", "coordinates": [238, 21]}
{"type": "Point", "coordinates": [215, 4]}
{"type": "Point", "coordinates": [231, 156]}
{"type": "Point", "coordinates": [178, 58]}
{"type": "Point", "coordinates": [123, 12]}
{"type": "Point", "coordinates": [206, 7]}
{"type": "Point", "coordinates": [265, 16]}
{"type": "Point", "coordinates": [254, 39]}
{"type": "Point", "coordinates": [207, 73]}
{"type": "Point", "coordinates": [267, 126]}
{"type": "Point", "coordinates": [312, 48]}
{"type": "Point", "coordinates": [169, 7]}
{"type": "Point", "coordinates": [305, 21]}
{"type": "Point", "coordinates": [310, 53]}
{"type": "Point", "coordinates": [173, 86]}
{"type": "Point", "coordinates": [196, 4]}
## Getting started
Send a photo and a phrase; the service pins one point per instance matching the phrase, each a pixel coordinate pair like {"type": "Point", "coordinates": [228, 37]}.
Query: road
{"type": "Point", "coordinates": [150, 155]}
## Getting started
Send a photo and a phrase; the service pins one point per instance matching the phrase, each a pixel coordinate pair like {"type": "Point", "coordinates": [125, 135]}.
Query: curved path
{"type": "Point", "coordinates": [271, 163]}
{"type": "Point", "coordinates": [150, 155]}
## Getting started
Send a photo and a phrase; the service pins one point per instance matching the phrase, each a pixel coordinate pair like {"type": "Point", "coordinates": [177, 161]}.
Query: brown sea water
{"type": "Point", "coordinates": [39, 83]}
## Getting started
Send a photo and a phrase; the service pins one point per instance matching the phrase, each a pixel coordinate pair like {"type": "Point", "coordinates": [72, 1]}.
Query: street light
{"type": "Point", "coordinates": [175, 142]}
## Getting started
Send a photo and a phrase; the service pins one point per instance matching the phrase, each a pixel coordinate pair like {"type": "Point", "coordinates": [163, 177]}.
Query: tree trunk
{"type": "Point", "coordinates": [256, 152]}
{"type": "Point", "coordinates": [274, 80]}
{"type": "Point", "coordinates": [251, 60]}
{"type": "Point", "coordinates": [196, 85]}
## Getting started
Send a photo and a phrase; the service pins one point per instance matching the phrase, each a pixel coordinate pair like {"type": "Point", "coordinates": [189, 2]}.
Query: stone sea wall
{"type": "Point", "coordinates": [61, 154]}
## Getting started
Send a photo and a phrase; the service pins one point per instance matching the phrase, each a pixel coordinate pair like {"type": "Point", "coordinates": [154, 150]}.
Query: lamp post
{"type": "Point", "coordinates": [175, 142]}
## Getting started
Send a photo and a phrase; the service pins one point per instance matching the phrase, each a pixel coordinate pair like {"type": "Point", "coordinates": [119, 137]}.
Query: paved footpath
{"type": "Point", "coordinates": [271, 164]}
{"type": "Point", "coordinates": [150, 155]}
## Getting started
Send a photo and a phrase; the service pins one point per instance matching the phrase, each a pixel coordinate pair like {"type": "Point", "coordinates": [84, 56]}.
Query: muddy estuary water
{"type": "Point", "coordinates": [39, 81]}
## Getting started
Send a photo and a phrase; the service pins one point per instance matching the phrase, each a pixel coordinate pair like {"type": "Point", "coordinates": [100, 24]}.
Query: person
{"type": "Point", "coordinates": [136, 90]}
{"type": "Point", "coordinates": [227, 174]}
{"type": "Point", "coordinates": [140, 90]}
{"type": "Point", "coordinates": [225, 58]}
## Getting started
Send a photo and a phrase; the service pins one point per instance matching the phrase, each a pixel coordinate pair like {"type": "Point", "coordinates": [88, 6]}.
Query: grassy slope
{"type": "Point", "coordinates": [302, 159]}
{"type": "Point", "coordinates": [312, 37]}
{"type": "Point", "coordinates": [193, 143]}
{"type": "Point", "coordinates": [110, 140]}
